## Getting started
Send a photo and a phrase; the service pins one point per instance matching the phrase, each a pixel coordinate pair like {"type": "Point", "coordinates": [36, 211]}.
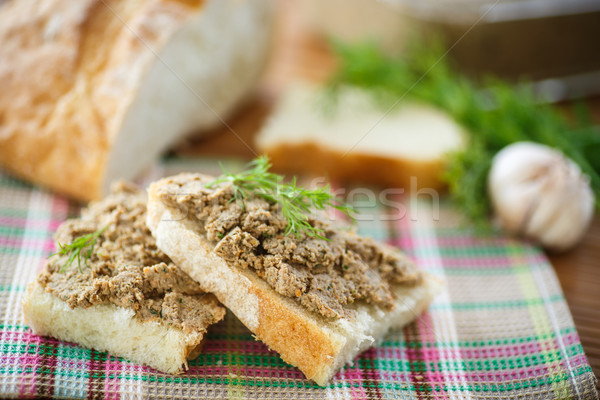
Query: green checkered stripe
{"type": "Point", "coordinates": [499, 329]}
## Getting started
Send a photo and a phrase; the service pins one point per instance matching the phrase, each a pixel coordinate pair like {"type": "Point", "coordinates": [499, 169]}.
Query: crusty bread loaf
{"type": "Point", "coordinates": [92, 90]}
{"type": "Point", "coordinates": [356, 141]}
{"type": "Point", "coordinates": [318, 346]}
{"type": "Point", "coordinates": [107, 327]}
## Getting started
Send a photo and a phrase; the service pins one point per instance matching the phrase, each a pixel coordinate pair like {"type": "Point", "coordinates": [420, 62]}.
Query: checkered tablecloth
{"type": "Point", "coordinates": [500, 329]}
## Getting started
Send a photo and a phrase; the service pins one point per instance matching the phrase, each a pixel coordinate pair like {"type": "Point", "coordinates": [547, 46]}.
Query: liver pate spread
{"type": "Point", "coordinates": [323, 275]}
{"type": "Point", "coordinates": [126, 268]}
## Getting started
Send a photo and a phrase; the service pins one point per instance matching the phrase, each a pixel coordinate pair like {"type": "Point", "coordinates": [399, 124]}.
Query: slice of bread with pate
{"type": "Point", "coordinates": [113, 290]}
{"type": "Point", "coordinates": [317, 302]}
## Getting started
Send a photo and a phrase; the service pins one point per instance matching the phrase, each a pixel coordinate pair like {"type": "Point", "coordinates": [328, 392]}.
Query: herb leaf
{"type": "Point", "coordinates": [494, 113]}
{"type": "Point", "coordinates": [296, 202]}
{"type": "Point", "coordinates": [79, 249]}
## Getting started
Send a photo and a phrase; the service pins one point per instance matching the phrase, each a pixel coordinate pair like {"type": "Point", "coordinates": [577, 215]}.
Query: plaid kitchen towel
{"type": "Point", "coordinates": [500, 329]}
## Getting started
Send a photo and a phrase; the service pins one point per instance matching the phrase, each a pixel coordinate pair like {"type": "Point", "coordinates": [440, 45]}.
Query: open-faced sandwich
{"type": "Point", "coordinates": [315, 294]}
{"type": "Point", "coordinates": [111, 289]}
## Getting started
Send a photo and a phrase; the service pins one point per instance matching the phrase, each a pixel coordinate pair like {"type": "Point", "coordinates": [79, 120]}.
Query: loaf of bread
{"type": "Point", "coordinates": [125, 297]}
{"type": "Point", "coordinates": [354, 139]}
{"type": "Point", "coordinates": [318, 303]}
{"type": "Point", "coordinates": [93, 90]}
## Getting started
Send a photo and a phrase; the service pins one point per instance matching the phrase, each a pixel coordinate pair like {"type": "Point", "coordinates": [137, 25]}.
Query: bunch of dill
{"type": "Point", "coordinates": [494, 113]}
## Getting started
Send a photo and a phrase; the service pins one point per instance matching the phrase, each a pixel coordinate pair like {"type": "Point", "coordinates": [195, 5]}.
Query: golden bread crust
{"type": "Point", "coordinates": [74, 70]}
{"type": "Point", "coordinates": [356, 167]}
{"type": "Point", "coordinates": [298, 340]}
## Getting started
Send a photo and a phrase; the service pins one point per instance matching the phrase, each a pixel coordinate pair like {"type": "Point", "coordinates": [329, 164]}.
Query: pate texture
{"type": "Point", "coordinates": [324, 276]}
{"type": "Point", "coordinates": [126, 268]}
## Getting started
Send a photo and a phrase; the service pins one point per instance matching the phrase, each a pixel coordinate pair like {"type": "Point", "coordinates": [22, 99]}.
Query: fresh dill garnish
{"type": "Point", "coordinates": [494, 113]}
{"type": "Point", "coordinates": [79, 249]}
{"type": "Point", "coordinates": [296, 202]}
{"type": "Point", "coordinates": [159, 312]}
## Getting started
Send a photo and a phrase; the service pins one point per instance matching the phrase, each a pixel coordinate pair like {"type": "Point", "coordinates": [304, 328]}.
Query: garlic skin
{"type": "Point", "coordinates": [539, 193]}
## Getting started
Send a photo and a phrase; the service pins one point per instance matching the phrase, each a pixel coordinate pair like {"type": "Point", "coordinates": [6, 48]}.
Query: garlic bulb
{"type": "Point", "coordinates": [538, 192]}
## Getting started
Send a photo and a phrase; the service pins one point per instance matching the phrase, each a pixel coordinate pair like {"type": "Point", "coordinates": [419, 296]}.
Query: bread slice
{"type": "Point", "coordinates": [356, 140]}
{"type": "Point", "coordinates": [116, 301]}
{"type": "Point", "coordinates": [107, 327]}
{"type": "Point", "coordinates": [92, 91]}
{"type": "Point", "coordinates": [317, 345]}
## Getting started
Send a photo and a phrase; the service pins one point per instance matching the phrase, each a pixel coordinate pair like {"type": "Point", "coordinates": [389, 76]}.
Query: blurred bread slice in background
{"type": "Point", "coordinates": [91, 91]}
{"type": "Point", "coordinates": [354, 139]}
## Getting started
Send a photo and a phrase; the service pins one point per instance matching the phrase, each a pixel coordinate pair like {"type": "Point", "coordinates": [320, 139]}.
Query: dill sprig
{"type": "Point", "coordinates": [79, 249]}
{"type": "Point", "coordinates": [296, 202]}
{"type": "Point", "coordinates": [494, 113]}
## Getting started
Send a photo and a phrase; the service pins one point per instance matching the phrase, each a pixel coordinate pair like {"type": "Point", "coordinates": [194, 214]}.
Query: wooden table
{"type": "Point", "coordinates": [300, 54]}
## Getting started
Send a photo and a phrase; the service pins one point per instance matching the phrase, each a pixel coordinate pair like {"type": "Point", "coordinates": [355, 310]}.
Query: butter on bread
{"type": "Point", "coordinates": [354, 139]}
{"type": "Point", "coordinates": [317, 344]}
{"type": "Point", "coordinates": [91, 91]}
